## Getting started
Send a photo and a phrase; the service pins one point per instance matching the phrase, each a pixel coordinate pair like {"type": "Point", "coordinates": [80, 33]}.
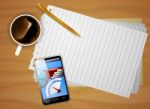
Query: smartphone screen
{"type": "Point", "coordinates": [52, 81]}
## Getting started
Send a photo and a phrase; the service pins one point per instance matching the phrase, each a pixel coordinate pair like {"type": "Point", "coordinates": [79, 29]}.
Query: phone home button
{"type": "Point", "coordinates": [54, 99]}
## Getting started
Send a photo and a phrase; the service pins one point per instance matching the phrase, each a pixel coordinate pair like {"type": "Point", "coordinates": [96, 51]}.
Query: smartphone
{"type": "Point", "coordinates": [52, 80]}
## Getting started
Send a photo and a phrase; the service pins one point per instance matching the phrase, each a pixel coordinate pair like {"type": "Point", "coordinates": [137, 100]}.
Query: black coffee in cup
{"type": "Point", "coordinates": [25, 29]}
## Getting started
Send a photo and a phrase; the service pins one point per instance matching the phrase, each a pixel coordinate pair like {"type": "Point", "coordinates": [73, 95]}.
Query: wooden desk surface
{"type": "Point", "coordinates": [17, 88]}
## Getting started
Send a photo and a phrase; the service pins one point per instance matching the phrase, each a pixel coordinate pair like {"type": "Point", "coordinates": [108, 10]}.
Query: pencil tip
{"type": "Point", "coordinates": [77, 34]}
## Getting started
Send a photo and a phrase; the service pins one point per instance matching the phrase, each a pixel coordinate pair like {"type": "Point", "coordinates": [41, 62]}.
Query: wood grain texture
{"type": "Point", "coordinates": [17, 88]}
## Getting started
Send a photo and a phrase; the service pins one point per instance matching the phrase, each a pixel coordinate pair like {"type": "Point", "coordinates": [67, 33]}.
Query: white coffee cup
{"type": "Point", "coordinates": [25, 30]}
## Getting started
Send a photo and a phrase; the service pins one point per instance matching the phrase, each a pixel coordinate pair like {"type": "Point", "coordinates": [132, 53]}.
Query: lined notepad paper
{"type": "Point", "coordinates": [107, 56]}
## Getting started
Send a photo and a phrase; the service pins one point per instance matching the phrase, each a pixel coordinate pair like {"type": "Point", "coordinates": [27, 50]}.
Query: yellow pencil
{"type": "Point", "coordinates": [57, 19]}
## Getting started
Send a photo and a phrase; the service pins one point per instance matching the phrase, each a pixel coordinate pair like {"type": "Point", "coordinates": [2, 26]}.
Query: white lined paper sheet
{"type": "Point", "coordinates": [135, 24]}
{"type": "Point", "coordinates": [101, 58]}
